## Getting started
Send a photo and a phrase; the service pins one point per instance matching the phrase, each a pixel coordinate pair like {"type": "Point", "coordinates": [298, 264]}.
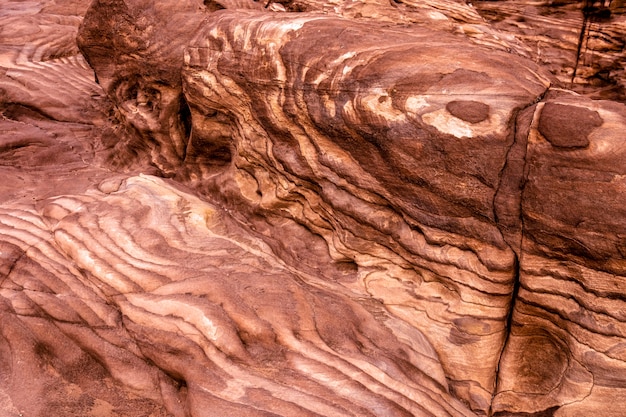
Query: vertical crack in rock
{"type": "Point", "coordinates": [508, 211]}
{"type": "Point", "coordinates": [185, 118]}
{"type": "Point", "coordinates": [509, 325]}
{"type": "Point", "coordinates": [377, 135]}
{"type": "Point", "coordinates": [567, 325]}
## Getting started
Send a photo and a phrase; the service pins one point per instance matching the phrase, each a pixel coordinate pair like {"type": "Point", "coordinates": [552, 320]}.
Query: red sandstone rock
{"type": "Point", "coordinates": [551, 34]}
{"type": "Point", "coordinates": [373, 209]}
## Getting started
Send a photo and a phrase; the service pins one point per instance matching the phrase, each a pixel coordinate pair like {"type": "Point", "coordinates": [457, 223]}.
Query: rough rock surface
{"type": "Point", "coordinates": [565, 347]}
{"type": "Point", "coordinates": [364, 209]}
{"type": "Point", "coordinates": [348, 145]}
{"type": "Point", "coordinates": [551, 32]}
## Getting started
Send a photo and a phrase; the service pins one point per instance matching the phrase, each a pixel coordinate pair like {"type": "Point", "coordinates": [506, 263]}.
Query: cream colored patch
{"type": "Point", "coordinates": [619, 180]}
{"type": "Point", "coordinates": [320, 78]}
{"type": "Point", "coordinates": [349, 112]}
{"type": "Point", "coordinates": [248, 185]}
{"type": "Point", "coordinates": [197, 212]}
{"type": "Point", "coordinates": [610, 139]}
{"type": "Point", "coordinates": [330, 106]}
{"type": "Point", "coordinates": [236, 388]}
{"type": "Point", "coordinates": [274, 54]}
{"type": "Point", "coordinates": [446, 123]}
{"type": "Point", "coordinates": [416, 103]}
{"type": "Point", "coordinates": [101, 408]}
{"type": "Point", "coordinates": [333, 64]}
{"type": "Point", "coordinates": [6, 404]}
{"type": "Point", "coordinates": [437, 16]}
{"type": "Point", "coordinates": [295, 24]}
{"type": "Point", "coordinates": [381, 105]}
{"type": "Point", "coordinates": [495, 125]}
{"type": "Point", "coordinates": [343, 58]}
{"type": "Point", "coordinates": [277, 7]}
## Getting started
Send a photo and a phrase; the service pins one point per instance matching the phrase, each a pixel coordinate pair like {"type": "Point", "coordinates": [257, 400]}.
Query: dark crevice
{"type": "Point", "coordinates": [508, 328]}
{"type": "Point", "coordinates": [19, 111]}
{"type": "Point", "coordinates": [213, 5]}
{"type": "Point", "coordinates": [549, 412]}
{"type": "Point", "coordinates": [510, 218]}
{"type": "Point", "coordinates": [185, 120]}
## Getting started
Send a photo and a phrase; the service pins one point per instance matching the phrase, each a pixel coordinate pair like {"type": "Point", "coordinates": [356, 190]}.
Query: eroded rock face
{"type": "Point", "coordinates": [373, 209]}
{"type": "Point", "coordinates": [591, 64]}
{"type": "Point", "coordinates": [360, 147]}
{"type": "Point", "coordinates": [168, 313]}
{"type": "Point", "coordinates": [135, 50]}
{"type": "Point", "coordinates": [567, 332]}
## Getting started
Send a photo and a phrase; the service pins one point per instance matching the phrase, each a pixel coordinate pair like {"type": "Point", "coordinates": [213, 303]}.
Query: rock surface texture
{"type": "Point", "coordinates": [591, 63]}
{"type": "Point", "coordinates": [308, 208]}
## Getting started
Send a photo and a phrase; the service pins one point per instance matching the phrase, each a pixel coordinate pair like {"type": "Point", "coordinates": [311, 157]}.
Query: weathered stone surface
{"type": "Point", "coordinates": [134, 48]}
{"type": "Point", "coordinates": [359, 148]}
{"type": "Point", "coordinates": [551, 31]}
{"type": "Point", "coordinates": [372, 209]}
{"type": "Point", "coordinates": [555, 124]}
{"type": "Point", "coordinates": [567, 333]}
{"type": "Point", "coordinates": [468, 110]}
{"type": "Point", "coordinates": [201, 314]}
{"type": "Point", "coordinates": [50, 108]}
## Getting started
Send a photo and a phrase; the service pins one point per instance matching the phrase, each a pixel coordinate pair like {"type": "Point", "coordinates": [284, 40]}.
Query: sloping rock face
{"type": "Point", "coordinates": [370, 209]}
{"type": "Point", "coordinates": [197, 315]}
{"type": "Point", "coordinates": [50, 112]}
{"type": "Point", "coordinates": [49, 104]}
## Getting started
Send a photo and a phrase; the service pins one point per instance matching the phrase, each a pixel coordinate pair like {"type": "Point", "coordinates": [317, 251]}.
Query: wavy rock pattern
{"type": "Point", "coordinates": [362, 144]}
{"type": "Point", "coordinates": [550, 31]}
{"type": "Point", "coordinates": [183, 307]}
{"type": "Point", "coordinates": [565, 346]}
{"type": "Point", "coordinates": [50, 106]}
{"type": "Point", "coordinates": [372, 209]}
{"type": "Point", "coordinates": [50, 112]}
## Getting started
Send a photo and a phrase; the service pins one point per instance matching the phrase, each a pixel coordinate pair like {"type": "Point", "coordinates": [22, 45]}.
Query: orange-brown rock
{"type": "Point", "coordinates": [565, 347]}
{"type": "Point", "coordinates": [304, 208]}
{"type": "Point", "coordinates": [360, 147]}
{"type": "Point", "coordinates": [589, 58]}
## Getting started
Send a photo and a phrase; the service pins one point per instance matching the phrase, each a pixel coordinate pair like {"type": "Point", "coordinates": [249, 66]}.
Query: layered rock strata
{"type": "Point", "coordinates": [365, 216]}
{"type": "Point", "coordinates": [51, 122]}
{"type": "Point", "coordinates": [359, 147]}
{"type": "Point", "coordinates": [565, 347]}
{"type": "Point", "coordinates": [194, 313]}
{"type": "Point", "coordinates": [589, 58]}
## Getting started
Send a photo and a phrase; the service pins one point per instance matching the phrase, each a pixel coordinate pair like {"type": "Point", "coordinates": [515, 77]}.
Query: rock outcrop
{"type": "Point", "coordinates": [564, 350]}
{"type": "Point", "coordinates": [364, 209]}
